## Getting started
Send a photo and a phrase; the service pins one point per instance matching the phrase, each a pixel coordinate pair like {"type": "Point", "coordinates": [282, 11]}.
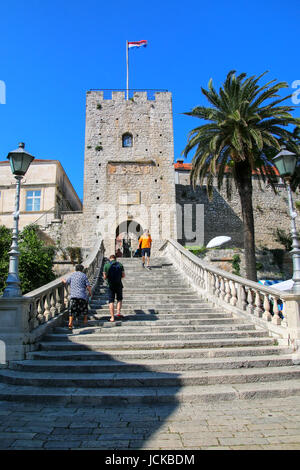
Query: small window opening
{"type": "Point", "coordinates": [127, 140]}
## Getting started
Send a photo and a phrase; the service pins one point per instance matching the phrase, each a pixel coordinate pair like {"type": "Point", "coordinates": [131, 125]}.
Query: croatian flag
{"type": "Point", "coordinates": [134, 44]}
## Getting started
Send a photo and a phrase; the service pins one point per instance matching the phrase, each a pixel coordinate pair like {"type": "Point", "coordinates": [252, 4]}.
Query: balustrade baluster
{"type": "Point", "coordinates": [53, 309]}
{"type": "Point", "coordinates": [250, 306]}
{"type": "Point", "coordinates": [258, 311]}
{"type": "Point", "coordinates": [267, 314]}
{"type": "Point", "coordinates": [242, 297]}
{"type": "Point", "coordinates": [59, 298]}
{"type": "Point", "coordinates": [227, 291]}
{"type": "Point", "coordinates": [234, 299]}
{"type": "Point", "coordinates": [40, 310]}
{"type": "Point", "coordinates": [222, 288]}
{"type": "Point", "coordinates": [217, 286]}
{"type": "Point", "coordinates": [66, 296]}
{"type": "Point", "coordinates": [276, 318]}
{"type": "Point", "coordinates": [47, 313]}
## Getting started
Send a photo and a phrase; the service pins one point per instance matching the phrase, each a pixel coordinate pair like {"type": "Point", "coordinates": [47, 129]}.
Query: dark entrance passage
{"type": "Point", "coordinates": [127, 236]}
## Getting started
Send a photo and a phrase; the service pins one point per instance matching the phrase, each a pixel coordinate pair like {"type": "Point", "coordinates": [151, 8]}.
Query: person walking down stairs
{"type": "Point", "coordinates": [145, 242]}
{"type": "Point", "coordinates": [79, 285]}
{"type": "Point", "coordinates": [113, 272]}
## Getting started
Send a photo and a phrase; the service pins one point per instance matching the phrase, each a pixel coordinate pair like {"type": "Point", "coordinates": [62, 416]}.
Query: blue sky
{"type": "Point", "coordinates": [52, 52]}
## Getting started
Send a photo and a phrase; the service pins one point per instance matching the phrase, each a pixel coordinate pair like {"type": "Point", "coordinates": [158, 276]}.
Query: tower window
{"type": "Point", "coordinates": [127, 140]}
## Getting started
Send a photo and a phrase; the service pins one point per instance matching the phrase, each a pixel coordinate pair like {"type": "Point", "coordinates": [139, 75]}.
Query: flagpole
{"type": "Point", "coordinates": [127, 64]}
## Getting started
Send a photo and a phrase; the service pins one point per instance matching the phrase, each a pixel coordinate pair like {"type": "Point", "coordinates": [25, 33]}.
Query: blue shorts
{"type": "Point", "coordinates": [146, 251]}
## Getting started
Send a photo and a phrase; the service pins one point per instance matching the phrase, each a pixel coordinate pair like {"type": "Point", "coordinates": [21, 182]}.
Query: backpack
{"type": "Point", "coordinates": [114, 274]}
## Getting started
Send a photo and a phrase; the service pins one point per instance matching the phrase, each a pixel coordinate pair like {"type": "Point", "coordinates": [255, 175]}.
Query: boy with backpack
{"type": "Point", "coordinates": [113, 273]}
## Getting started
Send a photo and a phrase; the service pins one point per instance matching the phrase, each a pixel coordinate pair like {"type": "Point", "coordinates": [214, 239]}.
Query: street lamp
{"type": "Point", "coordinates": [19, 163]}
{"type": "Point", "coordinates": [285, 163]}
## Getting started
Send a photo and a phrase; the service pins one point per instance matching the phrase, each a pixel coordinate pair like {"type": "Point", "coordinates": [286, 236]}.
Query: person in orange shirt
{"type": "Point", "coordinates": [145, 242]}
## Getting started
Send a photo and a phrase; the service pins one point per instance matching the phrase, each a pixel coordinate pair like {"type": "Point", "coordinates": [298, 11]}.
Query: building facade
{"type": "Point", "coordinates": [46, 192]}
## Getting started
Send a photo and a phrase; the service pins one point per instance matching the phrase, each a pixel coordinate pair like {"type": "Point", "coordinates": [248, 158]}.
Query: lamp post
{"type": "Point", "coordinates": [285, 163]}
{"type": "Point", "coordinates": [19, 163]}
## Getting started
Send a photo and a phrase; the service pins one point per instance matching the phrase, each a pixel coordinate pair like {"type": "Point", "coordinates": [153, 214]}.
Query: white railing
{"type": "Point", "coordinates": [52, 299]}
{"type": "Point", "coordinates": [239, 295]}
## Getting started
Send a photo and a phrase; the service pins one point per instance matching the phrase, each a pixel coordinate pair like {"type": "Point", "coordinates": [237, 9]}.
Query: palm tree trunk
{"type": "Point", "coordinates": [243, 178]}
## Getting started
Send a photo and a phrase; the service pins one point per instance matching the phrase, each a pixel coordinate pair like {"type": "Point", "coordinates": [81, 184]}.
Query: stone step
{"type": "Point", "coordinates": [153, 306]}
{"type": "Point", "coordinates": [140, 304]}
{"type": "Point", "coordinates": [144, 378]}
{"type": "Point", "coordinates": [133, 321]}
{"type": "Point", "coordinates": [159, 354]}
{"type": "Point", "coordinates": [175, 313]}
{"type": "Point", "coordinates": [150, 299]}
{"type": "Point", "coordinates": [141, 291]}
{"type": "Point", "coordinates": [150, 395]}
{"type": "Point", "coordinates": [144, 345]}
{"type": "Point", "coordinates": [116, 334]}
{"type": "Point", "coordinates": [128, 327]}
{"type": "Point", "coordinates": [148, 365]}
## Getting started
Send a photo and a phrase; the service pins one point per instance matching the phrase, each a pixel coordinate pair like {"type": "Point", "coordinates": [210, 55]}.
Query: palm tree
{"type": "Point", "coordinates": [244, 120]}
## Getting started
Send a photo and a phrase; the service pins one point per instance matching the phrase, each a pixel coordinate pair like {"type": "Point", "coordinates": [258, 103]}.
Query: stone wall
{"type": "Point", "coordinates": [223, 217]}
{"type": "Point", "coordinates": [67, 231]}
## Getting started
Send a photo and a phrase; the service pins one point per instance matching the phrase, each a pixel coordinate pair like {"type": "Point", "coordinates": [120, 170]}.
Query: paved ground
{"type": "Point", "coordinates": [249, 425]}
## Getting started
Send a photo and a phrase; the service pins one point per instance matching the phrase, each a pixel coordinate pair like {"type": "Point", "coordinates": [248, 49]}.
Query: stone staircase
{"type": "Point", "coordinates": [171, 347]}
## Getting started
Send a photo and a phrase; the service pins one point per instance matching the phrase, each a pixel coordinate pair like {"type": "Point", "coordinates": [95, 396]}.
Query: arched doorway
{"type": "Point", "coordinates": [127, 236]}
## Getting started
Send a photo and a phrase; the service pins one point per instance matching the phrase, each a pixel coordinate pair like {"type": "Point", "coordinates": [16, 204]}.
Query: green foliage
{"type": "Point", "coordinates": [236, 261]}
{"type": "Point", "coordinates": [284, 238]}
{"type": "Point", "coordinates": [35, 261]}
{"type": "Point", "coordinates": [98, 148]}
{"type": "Point", "coordinates": [197, 250]}
{"type": "Point", "coordinates": [5, 243]}
{"type": "Point", "coordinates": [259, 266]}
{"type": "Point", "coordinates": [74, 254]}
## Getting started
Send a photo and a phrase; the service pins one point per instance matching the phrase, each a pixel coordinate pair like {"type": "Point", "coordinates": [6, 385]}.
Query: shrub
{"type": "Point", "coordinates": [284, 238]}
{"type": "Point", "coordinates": [236, 261]}
{"type": "Point", "coordinates": [35, 260]}
{"type": "Point", "coordinates": [196, 250]}
{"type": "Point", "coordinates": [75, 254]}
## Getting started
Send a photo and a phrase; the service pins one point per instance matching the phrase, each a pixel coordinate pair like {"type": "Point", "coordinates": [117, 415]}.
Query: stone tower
{"type": "Point", "coordinates": [129, 183]}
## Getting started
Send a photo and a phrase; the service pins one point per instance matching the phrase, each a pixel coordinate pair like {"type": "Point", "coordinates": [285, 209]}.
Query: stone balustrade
{"type": "Point", "coordinates": [240, 296]}
{"type": "Point", "coordinates": [52, 298]}
{"type": "Point", "coordinates": [25, 320]}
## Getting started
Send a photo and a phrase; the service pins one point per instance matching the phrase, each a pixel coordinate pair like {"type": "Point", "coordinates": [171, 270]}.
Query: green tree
{"type": "Point", "coordinates": [245, 119]}
{"type": "Point", "coordinates": [5, 243]}
{"type": "Point", "coordinates": [35, 261]}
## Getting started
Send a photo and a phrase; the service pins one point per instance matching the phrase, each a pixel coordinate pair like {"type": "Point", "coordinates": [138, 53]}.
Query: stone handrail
{"type": "Point", "coordinates": [239, 295]}
{"type": "Point", "coordinates": [51, 299]}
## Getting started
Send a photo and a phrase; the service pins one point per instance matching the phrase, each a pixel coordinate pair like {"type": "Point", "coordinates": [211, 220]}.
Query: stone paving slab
{"type": "Point", "coordinates": [271, 424]}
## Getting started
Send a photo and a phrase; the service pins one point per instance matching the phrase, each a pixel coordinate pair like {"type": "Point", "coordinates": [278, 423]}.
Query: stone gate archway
{"type": "Point", "coordinates": [127, 236]}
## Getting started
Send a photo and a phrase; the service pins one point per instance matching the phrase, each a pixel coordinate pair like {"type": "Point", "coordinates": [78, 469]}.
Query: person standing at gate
{"type": "Point", "coordinates": [113, 272]}
{"type": "Point", "coordinates": [145, 243]}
